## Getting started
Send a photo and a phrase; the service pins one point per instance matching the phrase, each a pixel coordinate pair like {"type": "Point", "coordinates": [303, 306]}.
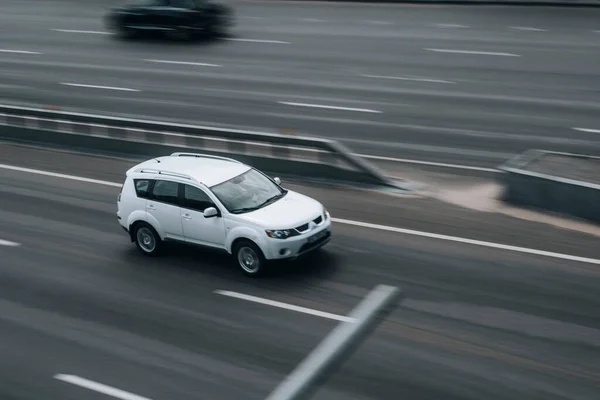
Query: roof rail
{"type": "Point", "coordinates": [201, 155]}
{"type": "Point", "coordinates": [163, 172]}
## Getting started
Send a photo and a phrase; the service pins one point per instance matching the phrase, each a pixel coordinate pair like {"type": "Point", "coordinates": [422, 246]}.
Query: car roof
{"type": "Point", "coordinates": [204, 168]}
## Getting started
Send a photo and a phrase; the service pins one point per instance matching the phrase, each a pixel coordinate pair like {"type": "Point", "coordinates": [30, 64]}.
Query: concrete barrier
{"type": "Point", "coordinates": [309, 157]}
{"type": "Point", "coordinates": [548, 180]}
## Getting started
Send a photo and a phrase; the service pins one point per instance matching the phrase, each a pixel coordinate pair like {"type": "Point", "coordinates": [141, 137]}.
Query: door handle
{"type": "Point", "coordinates": [187, 216]}
{"type": "Point", "coordinates": [150, 207]}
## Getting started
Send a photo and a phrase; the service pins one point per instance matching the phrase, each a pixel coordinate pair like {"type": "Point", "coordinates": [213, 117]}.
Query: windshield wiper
{"type": "Point", "coordinates": [244, 209]}
{"type": "Point", "coordinates": [270, 200]}
{"type": "Point", "coordinates": [273, 199]}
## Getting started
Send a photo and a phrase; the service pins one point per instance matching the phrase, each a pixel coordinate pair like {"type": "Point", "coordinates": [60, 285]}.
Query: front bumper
{"type": "Point", "coordinates": [297, 246]}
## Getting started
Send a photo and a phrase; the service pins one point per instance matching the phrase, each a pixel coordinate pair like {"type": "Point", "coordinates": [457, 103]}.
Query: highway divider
{"type": "Point", "coordinates": [310, 157]}
{"type": "Point", "coordinates": [558, 182]}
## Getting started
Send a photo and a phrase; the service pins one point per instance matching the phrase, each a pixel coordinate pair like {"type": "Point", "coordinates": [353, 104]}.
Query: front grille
{"type": "Point", "coordinates": [302, 228]}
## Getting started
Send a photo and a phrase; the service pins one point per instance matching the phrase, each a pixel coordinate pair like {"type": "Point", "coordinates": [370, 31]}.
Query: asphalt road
{"type": "Point", "coordinates": [76, 298]}
{"type": "Point", "coordinates": [401, 72]}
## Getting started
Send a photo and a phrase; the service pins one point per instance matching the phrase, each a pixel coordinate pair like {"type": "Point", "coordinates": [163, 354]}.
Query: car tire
{"type": "Point", "coordinates": [249, 258]}
{"type": "Point", "coordinates": [147, 239]}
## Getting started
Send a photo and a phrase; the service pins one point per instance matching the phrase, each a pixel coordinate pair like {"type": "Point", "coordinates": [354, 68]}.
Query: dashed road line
{"type": "Point", "coordinates": [527, 28]}
{"type": "Point", "coordinates": [365, 110]}
{"type": "Point", "coordinates": [8, 243]}
{"type": "Point", "coordinates": [312, 20]}
{"type": "Point", "coordinates": [587, 130]}
{"type": "Point", "coordinates": [98, 387]}
{"type": "Point", "coordinates": [482, 53]}
{"type": "Point", "coordinates": [18, 51]}
{"type": "Point", "coordinates": [82, 31]}
{"type": "Point", "coordinates": [285, 306]}
{"type": "Point", "coordinates": [122, 89]}
{"type": "Point", "coordinates": [401, 78]}
{"type": "Point", "coordinates": [379, 22]}
{"type": "Point", "coordinates": [256, 40]}
{"type": "Point", "coordinates": [198, 64]}
{"type": "Point", "coordinates": [451, 26]}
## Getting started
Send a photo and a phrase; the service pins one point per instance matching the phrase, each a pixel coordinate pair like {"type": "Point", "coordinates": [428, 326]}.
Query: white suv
{"type": "Point", "coordinates": [220, 203]}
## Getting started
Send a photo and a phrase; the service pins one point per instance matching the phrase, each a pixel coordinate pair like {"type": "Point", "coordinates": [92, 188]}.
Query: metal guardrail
{"type": "Point", "coordinates": [339, 345]}
{"type": "Point", "coordinates": [236, 141]}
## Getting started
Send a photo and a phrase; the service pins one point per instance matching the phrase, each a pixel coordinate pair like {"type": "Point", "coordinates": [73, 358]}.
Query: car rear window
{"type": "Point", "coordinates": [141, 187]}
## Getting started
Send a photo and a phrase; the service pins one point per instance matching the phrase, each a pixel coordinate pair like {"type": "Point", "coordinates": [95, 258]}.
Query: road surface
{"type": "Point", "coordinates": [460, 85]}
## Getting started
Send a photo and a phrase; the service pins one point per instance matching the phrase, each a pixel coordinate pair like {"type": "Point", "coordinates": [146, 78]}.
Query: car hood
{"type": "Point", "coordinates": [288, 212]}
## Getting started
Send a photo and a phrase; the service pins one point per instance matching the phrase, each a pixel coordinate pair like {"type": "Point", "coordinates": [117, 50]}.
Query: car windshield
{"type": "Point", "coordinates": [248, 192]}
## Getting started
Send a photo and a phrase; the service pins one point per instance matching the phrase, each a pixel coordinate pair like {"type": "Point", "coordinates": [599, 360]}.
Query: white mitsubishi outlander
{"type": "Point", "coordinates": [220, 203]}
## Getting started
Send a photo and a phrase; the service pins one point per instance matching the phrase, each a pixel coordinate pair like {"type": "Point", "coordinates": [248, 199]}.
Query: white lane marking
{"type": "Point", "coordinates": [18, 51]}
{"type": "Point", "coordinates": [379, 22]}
{"type": "Point", "coordinates": [468, 241]}
{"type": "Point", "coordinates": [285, 306]}
{"type": "Point", "coordinates": [122, 89]}
{"type": "Point", "coordinates": [79, 31]}
{"type": "Point", "coordinates": [366, 110]}
{"type": "Point", "coordinates": [451, 26]}
{"type": "Point", "coordinates": [587, 130]}
{"type": "Point", "coordinates": [359, 224]}
{"type": "Point", "coordinates": [401, 78]}
{"type": "Point", "coordinates": [98, 387]}
{"type": "Point", "coordinates": [62, 176]}
{"type": "Point", "coordinates": [527, 28]}
{"type": "Point", "coordinates": [8, 243]}
{"type": "Point", "coordinates": [256, 40]}
{"type": "Point", "coordinates": [184, 63]}
{"type": "Point", "coordinates": [432, 163]}
{"type": "Point", "coordinates": [482, 53]}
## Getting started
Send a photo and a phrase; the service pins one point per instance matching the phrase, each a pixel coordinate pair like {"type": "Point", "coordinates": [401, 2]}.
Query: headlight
{"type": "Point", "coordinates": [325, 213]}
{"type": "Point", "coordinates": [280, 233]}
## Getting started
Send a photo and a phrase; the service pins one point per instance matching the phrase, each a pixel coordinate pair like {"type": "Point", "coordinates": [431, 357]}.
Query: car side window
{"type": "Point", "coordinates": [142, 187]}
{"type": "Point", "coordinates": [196, 199]}
{"type": "Point", "coordinates": [187, 4]}
{"type": "Point", "coordinates": [148, 3]}
{"type": "Point", "coordinates": [166, 192]}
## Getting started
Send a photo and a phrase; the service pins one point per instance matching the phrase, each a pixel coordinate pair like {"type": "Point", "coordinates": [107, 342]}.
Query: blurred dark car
{"type": "Point", "coordinates": [182, 19]}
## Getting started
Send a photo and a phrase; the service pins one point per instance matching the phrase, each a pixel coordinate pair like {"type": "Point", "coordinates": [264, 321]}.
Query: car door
{"type": "Point", "coordinates": [196, 228]}
{"type": "Point", "coordinates": [159, 15]}
{"type": "Point", "coordinates": [143, 13]}
{"type": "Point", "coordinates": [163, 208]}
{"type": "Point", "coordinates": [182, 13]}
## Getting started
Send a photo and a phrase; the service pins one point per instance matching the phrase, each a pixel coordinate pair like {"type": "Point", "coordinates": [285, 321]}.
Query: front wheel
{"type": "Point", "coordinates": [249, 258]}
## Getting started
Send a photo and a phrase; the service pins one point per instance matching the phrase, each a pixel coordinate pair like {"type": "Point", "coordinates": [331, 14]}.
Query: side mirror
{"type": "Point", "coordinates": [210, 212]}
{"type": "Point", "coordinates": [277, 180]}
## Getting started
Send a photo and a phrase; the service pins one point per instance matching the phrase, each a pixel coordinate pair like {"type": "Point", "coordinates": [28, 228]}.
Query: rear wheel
{"type": "Point", "coordinates": [249, 258]}
{"type": "Point", "coordinates": [147, 239]}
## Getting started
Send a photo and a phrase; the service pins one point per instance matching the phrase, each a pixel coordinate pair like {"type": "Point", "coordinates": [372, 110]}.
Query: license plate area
{"type": "Point", "coordinates": [317, 236]}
